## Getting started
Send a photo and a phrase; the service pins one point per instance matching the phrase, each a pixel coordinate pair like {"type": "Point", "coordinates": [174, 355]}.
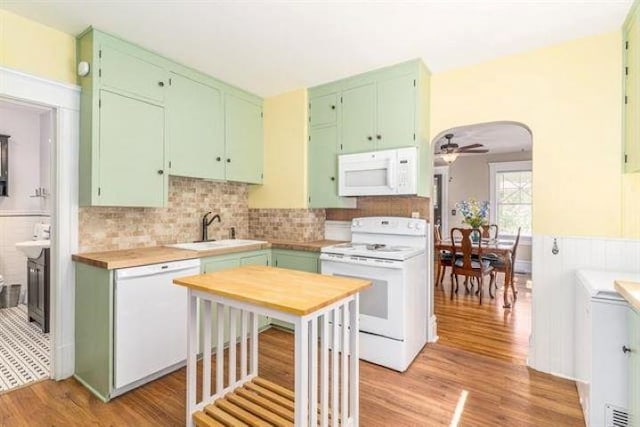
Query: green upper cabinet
{"type": "Point", "coordinates": [323, 110]}
{"type": "Point", "coordinates": [358, 119]}
{"type": "Point", "coordinates": [131, 152]}
{"type": "Point", "coordinates": [142, 114]}
{"type": "Point", "coordinates": [396, 112]}
{"type": "Point", "coordinates": [195, 129]}
{"type": "Point", "coordinates": [379, 110]}
{"type": "Point", "coordinates": [631, 134]}
{"type": "Point", "coordinates": [323, 169]}
{"type": "Point", "coordinates": [123, 71]}
{"type": "Point", "coordinates": [243, 140]}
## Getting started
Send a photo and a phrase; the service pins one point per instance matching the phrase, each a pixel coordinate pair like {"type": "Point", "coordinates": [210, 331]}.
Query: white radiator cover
{"type": "Point", "coordinates": [554, 298]}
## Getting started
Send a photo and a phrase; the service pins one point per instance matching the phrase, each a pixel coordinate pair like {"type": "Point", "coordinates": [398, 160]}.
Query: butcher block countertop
{"type": "Point", "coordinates": [314, 246]}
{"type": "Point", "coordinates": [157, 254]}
{"type": "Point", "coordinates": [153, 255]}
{"type": "Point", "coordinates": [630, 291]}
{"type": "Point", "coordinates": [290, 291]}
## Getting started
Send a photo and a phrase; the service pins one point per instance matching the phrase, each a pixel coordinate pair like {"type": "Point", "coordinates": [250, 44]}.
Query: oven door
{"type": "Point", "coordinates": [382, 304]}
{"type": "Point", "coordinates": [367, 174]}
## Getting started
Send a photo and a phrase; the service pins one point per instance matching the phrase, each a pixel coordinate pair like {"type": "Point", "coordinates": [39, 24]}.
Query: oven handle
{"type": "Point", "coordinates": [365, 262]}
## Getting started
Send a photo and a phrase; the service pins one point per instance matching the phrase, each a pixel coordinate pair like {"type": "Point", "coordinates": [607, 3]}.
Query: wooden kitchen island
{"type": "Point", "coordinates": [326, 382]}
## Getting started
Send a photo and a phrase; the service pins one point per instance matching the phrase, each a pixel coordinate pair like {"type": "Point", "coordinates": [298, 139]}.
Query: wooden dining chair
{"type": "Point", "coordinates": [465, 264]}
{"type": "Point", "coordinates": [443, 258]}
{"type": "Point", "coordinates": [500, 266]}
{"type": "Point", "coordinates": [489, 231]}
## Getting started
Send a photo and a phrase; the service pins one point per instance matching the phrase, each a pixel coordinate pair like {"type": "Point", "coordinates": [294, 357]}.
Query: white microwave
{"type": "Point", "coordinates": [378, 173]}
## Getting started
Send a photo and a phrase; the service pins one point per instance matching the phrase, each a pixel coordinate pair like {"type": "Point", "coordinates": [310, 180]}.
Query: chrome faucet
{"type": "Point", "coordinates": [206, 222]}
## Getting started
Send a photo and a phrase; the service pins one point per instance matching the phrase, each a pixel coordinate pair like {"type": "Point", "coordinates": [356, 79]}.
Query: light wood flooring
{"type": "Point", "coordinates": [478, 366]}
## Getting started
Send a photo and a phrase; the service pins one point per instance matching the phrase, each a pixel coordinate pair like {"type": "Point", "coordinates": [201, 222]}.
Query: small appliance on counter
{"type": "Point", "coordinates": [391, 252]}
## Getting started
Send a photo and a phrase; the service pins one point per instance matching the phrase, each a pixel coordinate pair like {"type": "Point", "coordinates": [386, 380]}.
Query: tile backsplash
{"type": "Point", "coordinates": [302, 225]}
{"type": "Point", "coordinates": [111, 228]}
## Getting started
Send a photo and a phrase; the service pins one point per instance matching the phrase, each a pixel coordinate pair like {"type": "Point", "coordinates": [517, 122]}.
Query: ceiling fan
{"type": "Point", "coordinates": [450, 150]}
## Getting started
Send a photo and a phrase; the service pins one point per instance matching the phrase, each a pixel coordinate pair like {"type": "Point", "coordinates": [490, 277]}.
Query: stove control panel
{"type": "Point", "coordinates": [389, 225]}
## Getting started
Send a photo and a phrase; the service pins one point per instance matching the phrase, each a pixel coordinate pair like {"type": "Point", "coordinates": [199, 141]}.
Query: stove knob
{"type": "Point", "coordinates": [418, 225]}
{"type": "Point", "coordinates": [410, 225]}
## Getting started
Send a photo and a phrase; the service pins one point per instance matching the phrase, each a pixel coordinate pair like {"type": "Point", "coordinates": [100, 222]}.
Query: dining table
{"type": "Point", "coordinates": [501, 248]}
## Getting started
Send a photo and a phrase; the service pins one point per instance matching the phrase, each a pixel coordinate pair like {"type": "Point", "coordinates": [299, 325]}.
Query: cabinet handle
{"type": "Point", "coordinates": [333, 178]}
{"type": "Point", "coordinates": [161, 84]}
{"type": "Point", "coordinates": [369, 138]}
{"type": "Point", "coordinates": [218, 159]}
{"type": "Point", "coordinates": [626, 349]}
{"type": "Point", "coordinates": [160, 172]}
{"type": "Point", "coordinates": [378, 136]}
{"type": "Point", "coordinates": [228, 160]}
{"type": "Point", "coordinates": [333, 107]}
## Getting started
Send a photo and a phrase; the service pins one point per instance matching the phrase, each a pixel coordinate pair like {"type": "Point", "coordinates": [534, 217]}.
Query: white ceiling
{"type": "Point", "coordinates": [497, 137]}
{"type": "Point", "coordinates": [272, 46]}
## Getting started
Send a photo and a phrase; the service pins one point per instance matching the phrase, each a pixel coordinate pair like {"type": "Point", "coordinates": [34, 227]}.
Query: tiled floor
{"type": "Point", "coordinates": [24, 350]}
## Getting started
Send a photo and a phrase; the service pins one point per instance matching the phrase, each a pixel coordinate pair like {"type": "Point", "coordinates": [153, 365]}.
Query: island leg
{"type": "Point", "coordinates": [301, 372]}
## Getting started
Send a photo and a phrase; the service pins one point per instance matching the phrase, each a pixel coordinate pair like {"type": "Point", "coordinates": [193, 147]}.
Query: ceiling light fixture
{"type": "Point", "coordinates": [449, 157]}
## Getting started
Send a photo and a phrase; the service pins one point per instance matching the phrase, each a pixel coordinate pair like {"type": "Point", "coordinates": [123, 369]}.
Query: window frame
{"type": "Point", "coordinates": [494, 169]}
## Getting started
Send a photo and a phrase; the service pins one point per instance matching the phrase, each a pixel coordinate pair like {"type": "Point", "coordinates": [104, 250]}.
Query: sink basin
{"type": "Point", "coordinates": [32, 248]}
{"type": "Point", "coordinates": [218, 244]}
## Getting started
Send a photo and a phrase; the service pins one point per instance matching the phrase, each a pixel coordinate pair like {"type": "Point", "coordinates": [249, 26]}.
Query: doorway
{"type": "Point", "coordinates": [63, 102]}
{"type": "Point", "coordinates": [493, 171]}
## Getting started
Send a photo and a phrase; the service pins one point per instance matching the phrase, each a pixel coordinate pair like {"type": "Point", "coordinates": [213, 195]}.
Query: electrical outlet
{"type": "Point", "coordinates": [415, 214]}
{"type": "Point", "coordinates": [453, 212]}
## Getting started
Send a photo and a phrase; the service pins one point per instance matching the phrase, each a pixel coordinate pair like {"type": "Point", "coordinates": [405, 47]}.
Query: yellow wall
{"type": "Point", "coordinates": [36, 49]}
{"type": "Point", "coordinates": [285, 153]}
{"type": "Point", "coordinates": [569, 95]}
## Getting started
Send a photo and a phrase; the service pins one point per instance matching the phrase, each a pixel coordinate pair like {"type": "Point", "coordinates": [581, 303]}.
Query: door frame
{"type": "Point", "coordinates": [64, 100]}
{"type": "Point", "coordinates": [444, 171]}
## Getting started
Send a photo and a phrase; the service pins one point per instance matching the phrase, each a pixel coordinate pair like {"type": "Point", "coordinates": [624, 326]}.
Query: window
{"type": "Point", "coordinates": [511, 191]}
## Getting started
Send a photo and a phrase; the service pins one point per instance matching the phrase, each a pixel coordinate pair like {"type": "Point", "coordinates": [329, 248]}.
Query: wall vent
{"type": "Point", "coordinates": [616, 416]}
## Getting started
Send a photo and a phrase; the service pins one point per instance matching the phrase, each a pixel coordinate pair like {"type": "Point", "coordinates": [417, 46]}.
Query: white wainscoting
{"type": "Point", "coordinates": [554, 285]}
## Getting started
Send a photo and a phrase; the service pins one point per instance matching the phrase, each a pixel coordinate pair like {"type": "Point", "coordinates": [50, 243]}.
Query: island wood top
{"type": "Point", "coordinates": [630, 291]}
{"type": "Point", "coordinates": [290, 291]}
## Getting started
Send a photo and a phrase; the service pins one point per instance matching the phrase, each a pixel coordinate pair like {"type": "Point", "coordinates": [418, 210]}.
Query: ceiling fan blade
{"type": "Point", "coordinates": [473, 151]}
{"type": "Point", "coordinates": [471, 146]}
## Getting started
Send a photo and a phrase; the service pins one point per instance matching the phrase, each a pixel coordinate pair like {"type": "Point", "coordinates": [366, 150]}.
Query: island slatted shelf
{"type": "Point", "coordinates": [326, 381]}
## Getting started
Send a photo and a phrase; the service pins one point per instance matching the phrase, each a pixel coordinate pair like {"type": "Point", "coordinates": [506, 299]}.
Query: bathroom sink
{"type": "Point", "coordinates": [217, 244]}
{"type": "Point", "coordinates": [32, 248]}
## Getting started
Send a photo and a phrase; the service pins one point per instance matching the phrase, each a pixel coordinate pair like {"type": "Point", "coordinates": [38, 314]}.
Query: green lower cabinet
{"type": "Point", "coordinates": [634, 367]}
{"type": "Point", "coordinates": [294, 260]}
{"type": "Point", "coordinates": [94, 332]}
{"type": "Point", "coordinates": [225, 262]}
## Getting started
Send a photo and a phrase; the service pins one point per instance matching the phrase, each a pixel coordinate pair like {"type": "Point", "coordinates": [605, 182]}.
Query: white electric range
{"type": "Point", "coordinates": [391, 252]}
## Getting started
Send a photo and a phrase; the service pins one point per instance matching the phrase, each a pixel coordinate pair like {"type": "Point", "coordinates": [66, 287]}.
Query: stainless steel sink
{"type": "Point", "coordinates": [218, 244]}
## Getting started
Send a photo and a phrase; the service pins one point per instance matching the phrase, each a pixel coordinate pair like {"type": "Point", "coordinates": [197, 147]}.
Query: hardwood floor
{"type": "Point", "coordinates": [477, 366]}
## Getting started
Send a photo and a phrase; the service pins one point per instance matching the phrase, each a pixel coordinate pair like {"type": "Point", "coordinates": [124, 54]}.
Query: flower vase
{"type": "Point", "coordinates": [475, 236]}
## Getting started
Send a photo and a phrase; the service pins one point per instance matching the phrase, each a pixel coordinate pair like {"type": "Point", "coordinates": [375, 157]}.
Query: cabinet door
{"type": "Point", "coordinates": [632, 93]}
{"type": "Point", "coordinates": [358, 119]}
{"type": "Point", "coordinates": [195, 131]}
{"type": "Point", "coordinates": [323, 110]}
{"type": "Point", "coordinates": [126, 72]}
{"type": "Point", "coordinates": [217, 265]}
{"type": "Point", "coordinates": [295, 262]}
{"type": "Point", "coordinates": [32, 288]}
{"type": "Point", "coordinates": [634, 366]}
{"type": "Point", "coordinates": [131, 156]}
{"type": "Point", "coordinates": [396, 113]}
{"type": "Point", "coordinates": [323, 167]}
{"type": "Point", "coordinates": [243, 140]}
{"type": "Point", "coordinates": [261, 259]}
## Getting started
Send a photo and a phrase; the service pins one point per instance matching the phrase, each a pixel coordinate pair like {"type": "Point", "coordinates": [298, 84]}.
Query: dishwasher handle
{"type": "Point", "coordinates": [154, 269]}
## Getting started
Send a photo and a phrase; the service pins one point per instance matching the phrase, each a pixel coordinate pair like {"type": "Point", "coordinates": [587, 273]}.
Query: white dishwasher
{"type": "Point", "coordinates": [150, 322]}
